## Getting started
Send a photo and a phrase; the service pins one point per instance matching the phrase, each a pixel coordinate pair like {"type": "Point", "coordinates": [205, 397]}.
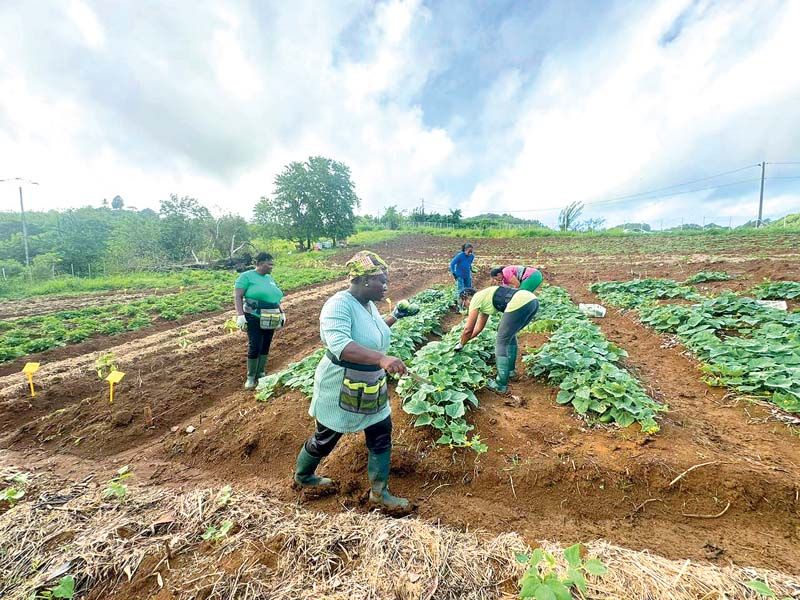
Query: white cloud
{"type": "Point", "coordinates": [212, 99]}
{"type": "Point", "coordinates": [217, 112]}
{"type": "Point", "coordinates": [87, 24]}
{"type": "Point", "coordinates": [628, 114]}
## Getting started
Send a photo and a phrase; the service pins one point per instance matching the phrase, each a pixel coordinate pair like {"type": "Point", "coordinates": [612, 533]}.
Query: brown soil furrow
{"type": "Point", "coordinates": [171, 382]}
{"type": "Point", "coordinates": [43, 305]}
{"type": "Point", "coordinates": [546, 475]}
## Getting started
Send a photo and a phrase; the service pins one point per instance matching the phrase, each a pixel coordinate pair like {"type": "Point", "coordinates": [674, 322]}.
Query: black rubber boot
{"type": "Point", "coordinates": [261, 367]}
{"type": "Point", "coordinates": [304, 475]}
{"type": "Point", "coordinates": [500, 384]}
{"type": "Point", "coordinates": [378, 471]}
{"type": "Point", "coordinates": [250, 383]}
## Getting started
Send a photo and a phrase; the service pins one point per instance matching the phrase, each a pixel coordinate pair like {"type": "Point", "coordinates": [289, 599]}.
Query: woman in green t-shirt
{"type": "Point", "coordinates": [258, 307]}
{"type": "Point", "coordinates": [518, 308]}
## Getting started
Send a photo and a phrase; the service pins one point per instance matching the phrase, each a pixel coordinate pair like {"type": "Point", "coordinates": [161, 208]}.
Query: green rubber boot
{"type": "Point", "coordinates": [304, 475]}
{"type": "Point", "coordinates": [513, 349]}
{"type": "Point", "coordinates": [261, 367]}
{"type": "Point", "coordinates": [500, 383]}
{"type": "Point", "coordinates": [378, 471]}
{"type": "Point", "coordinates": [252, 364]}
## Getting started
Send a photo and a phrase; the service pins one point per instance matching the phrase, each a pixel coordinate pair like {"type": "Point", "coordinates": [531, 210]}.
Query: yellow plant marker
{"type": "Point", "coordinates": [113, 377]}
{"type": "Point", "coordinates": [29, 369]}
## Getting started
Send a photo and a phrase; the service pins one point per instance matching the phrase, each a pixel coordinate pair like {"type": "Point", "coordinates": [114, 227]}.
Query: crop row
{"type": "Point", "coordinates": [630, 294]}
{"type": "Point", "coordinates": [407, 334]}
{"type": "Point", "coordinates": [743, 345]}
{"type": "Point", "coordinates": [19, 337]}
{"type": "Point", "coordinates": [584, 364]}
{"type": "Point", "coordinates": [455, 376]}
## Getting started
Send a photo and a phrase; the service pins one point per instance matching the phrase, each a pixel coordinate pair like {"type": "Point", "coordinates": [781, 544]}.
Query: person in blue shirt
{"type": "Point", "coordinates": [461, 269]}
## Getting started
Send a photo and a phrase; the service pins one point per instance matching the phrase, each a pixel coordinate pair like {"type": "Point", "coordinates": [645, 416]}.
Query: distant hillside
{"type": "Point", "coordinates": [496, 220]}
{"type": "Point", "coordinates": [792, 220]}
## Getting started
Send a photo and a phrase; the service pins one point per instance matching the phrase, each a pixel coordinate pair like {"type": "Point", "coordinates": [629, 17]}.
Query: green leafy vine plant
{"type": "Point", "coordinates": [116, 487]}
{"type": "Point", "coordinates": [630, 294]}
{"type": "Point", "coordinates": [705, 276]}
{"type": "Point", "coordinates": [777, 290]}
{"type": "Point", "coordinates": [65, 590]}
{"type": "Point", "coordinates": [455, 376]}
{"type": "Point", "coordinates": [542, 580]}
{"type": "Point", "coordinates": [743, 345]}
{"type": "Point", "coordinates": [762, 589]}
{"type": "Point", "coordinates": [583, 363]}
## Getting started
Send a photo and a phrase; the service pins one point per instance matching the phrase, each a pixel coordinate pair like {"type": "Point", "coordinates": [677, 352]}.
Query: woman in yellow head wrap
{"type": "Point", "coordinates": [350, 392]}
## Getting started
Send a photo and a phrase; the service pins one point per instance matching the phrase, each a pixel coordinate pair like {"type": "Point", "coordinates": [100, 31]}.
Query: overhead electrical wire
{"type": "Point", "coordinates": [620, 199]}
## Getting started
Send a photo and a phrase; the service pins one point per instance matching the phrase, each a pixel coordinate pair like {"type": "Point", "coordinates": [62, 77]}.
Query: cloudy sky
{"type": "Point", "coordinates": [490, 105]}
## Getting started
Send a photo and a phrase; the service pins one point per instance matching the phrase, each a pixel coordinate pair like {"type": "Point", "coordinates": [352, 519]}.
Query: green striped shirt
{"type": "Point", "coordinates": [343, 320]}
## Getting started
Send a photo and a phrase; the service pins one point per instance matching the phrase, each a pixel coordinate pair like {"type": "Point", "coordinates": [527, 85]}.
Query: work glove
{"type": "Point", "coordinates": [454, 276]}
{"type": "Point", "coordinates": [241, 322]}
{"type": "Point", "coordinates": [404, 308]}
{"type": "Point", "coordinates": [282, 324]}
{"type": "Point", "coordinates": [459, 347]}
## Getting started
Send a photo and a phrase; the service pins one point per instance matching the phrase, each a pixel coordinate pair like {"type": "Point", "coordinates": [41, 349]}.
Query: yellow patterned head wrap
{"type": "Point", "coordinates": [365, 263]}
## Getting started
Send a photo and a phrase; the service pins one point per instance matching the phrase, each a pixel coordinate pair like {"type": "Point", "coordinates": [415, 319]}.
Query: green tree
{"type": "Point", "coordinates": [117, 203]}
{"type": "Point", "coordinates": [392, 219]}
{"type": "Point", "coordinates": [455, 216]}
{"type": "Point", "coordinates": [135, 242]}
{"type": "Point", "coordinates": [229, 234]}
{"type": "Point", "coordinates": [335, 194]}
{"type": "Point", "coordinates": [43, 265]}
{"type": "Point", "coordinates": [568, 217]}
{"type": "Point", "coordinates": [11, 267]}
{"type": "Point", "coordinates": [183, 227]}
{"type": "Point", "coordinates": [83, 237]}
{"type": "Point", "coordinates": [312, 199]}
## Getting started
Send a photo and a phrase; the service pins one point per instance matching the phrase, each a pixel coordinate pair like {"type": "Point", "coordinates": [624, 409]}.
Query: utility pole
{"type": "Point", "coordinates": [761, 198]}
{"type": "Point", "coordinates": [22, 213]}
{"type": "Point", "coordinates": [24, 229]}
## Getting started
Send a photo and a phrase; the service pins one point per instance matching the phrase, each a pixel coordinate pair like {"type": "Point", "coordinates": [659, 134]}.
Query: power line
{"type": "Point", "coordinates": [619, 199]}
{"type": "Point", "coordinates": [783, 163]}
{"type": "Point", "coordinates": [677, 185]}
{"type": "Point", "coordinates": [640, 194]}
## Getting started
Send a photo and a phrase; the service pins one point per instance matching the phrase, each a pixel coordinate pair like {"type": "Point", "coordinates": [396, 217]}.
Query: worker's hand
{"type": "Point", "coordinates": [391, 365]}
{"type": "Point", "coordinates": [459, 347]}
{"type": "Point", "coordinates": [404, 308]}
{"type": "Point", "coordinates": [282, 324]}
{"type": "Point", "coordinates": [241, 322]}
{"type": "Point", "coordinates": [454, 276]}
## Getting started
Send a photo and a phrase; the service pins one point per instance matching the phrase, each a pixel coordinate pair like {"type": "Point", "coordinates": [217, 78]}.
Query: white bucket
{"type": "Point", "coordinates": [777, 304]}
{"type": "Point", "coordinates": [592, 310]}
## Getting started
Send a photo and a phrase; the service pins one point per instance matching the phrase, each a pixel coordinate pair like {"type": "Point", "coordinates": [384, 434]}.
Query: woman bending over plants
{"type": "Point", "coordinates": [518, 276]}
{"type": "Point", "coordinates": [518, 308]}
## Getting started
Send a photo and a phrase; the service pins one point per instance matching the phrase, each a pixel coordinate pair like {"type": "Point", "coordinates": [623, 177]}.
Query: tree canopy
{"type": "Point", "coordinates": [312, 199]}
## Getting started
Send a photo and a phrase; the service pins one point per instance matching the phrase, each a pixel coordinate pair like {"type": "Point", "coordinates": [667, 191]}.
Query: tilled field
{"type": "Point", "coordinates": [546, 474]}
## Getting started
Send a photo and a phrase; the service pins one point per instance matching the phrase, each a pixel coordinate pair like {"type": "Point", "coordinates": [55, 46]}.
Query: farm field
{"type": "Point", "coordinates": [703, 474]}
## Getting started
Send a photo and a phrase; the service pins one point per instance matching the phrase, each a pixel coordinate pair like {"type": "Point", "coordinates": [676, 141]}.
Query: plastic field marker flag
{"type": "Point", "coordinates": [29, 369]}
{"type": "Point", "coordinates": [113, 377]}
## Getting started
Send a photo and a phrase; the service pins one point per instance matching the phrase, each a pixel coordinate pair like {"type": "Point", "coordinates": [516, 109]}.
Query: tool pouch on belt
{"type": "Point", "coordinates": [363, 389]}
{"type": "Point", "coordinates": [269, 313]}
{"type": "Point", "coordinates": [270, 318]}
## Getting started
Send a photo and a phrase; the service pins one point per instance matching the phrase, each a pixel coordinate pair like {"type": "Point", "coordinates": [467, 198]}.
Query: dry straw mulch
{"type": "Point", "coordinates": [150, 545]}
